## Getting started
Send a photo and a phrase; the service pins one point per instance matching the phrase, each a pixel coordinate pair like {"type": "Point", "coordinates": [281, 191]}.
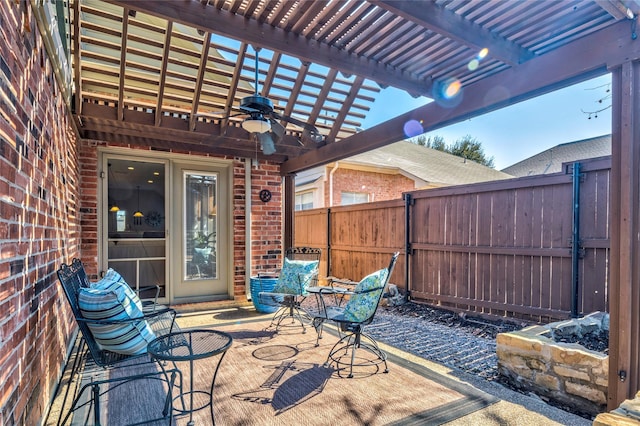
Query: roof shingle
{"type": "Point", "coordinates": [550, 161]}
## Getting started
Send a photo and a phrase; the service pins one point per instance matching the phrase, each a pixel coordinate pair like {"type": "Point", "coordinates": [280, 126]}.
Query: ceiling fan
{"type": "Point", "coordinates": [264, 122]}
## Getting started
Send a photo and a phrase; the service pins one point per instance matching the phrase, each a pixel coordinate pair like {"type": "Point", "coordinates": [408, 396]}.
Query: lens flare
{"type": "Point", "coordinates": [413, 128]}
{"type": "Point", "coordinates": [483, 53]}
{"type": "Point", "coordinates": [452, 88]}
{"type": "Point", "coordinates": [473, 65]}
{"type": "Point", "coordinates": [447, 92]}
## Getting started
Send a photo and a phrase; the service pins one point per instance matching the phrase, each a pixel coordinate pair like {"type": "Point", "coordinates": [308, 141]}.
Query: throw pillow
{"type": "Point", "coordinates": [115, 301]}
{"type": "Point", "coordinates": [111, 280]}
{"type": "Point", "coordinates": [295, 276]}
{"type": "Point", "coordinates": [364, 303]}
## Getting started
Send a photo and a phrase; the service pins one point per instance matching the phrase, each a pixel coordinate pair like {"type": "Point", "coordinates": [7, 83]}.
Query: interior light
{"type": "Point", "coordinates": [257, 124]}
{"type": "Point", "coordinates": [138, 214]}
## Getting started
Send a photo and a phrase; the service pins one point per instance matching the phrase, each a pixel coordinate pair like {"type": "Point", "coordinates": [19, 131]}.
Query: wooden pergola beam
{"type": "Point", "coordinates": [429, 15]}
{"type": "Point", "coordinates": [624, 300]}
{"type": "Point", "coordinates": [123, 61]}
{"type": "Point", "coordinates": [163, 71]}
{"type": "Point", "coordinates": [233, 86]}
{"type": "Point", "coordinates": [585, 58]}
{"type": "Point", "coordinates": [232, 141]}
{"type": "Point", "coordinates": [261, 34]}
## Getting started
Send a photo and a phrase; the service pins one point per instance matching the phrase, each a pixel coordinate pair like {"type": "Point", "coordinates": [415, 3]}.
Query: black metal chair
{"type": "Point", "coordinates": [300, 270]}
{"type": "Point", "coordinates": [161, 321]}
{"type": "Point", "coordinates": [352, 317]}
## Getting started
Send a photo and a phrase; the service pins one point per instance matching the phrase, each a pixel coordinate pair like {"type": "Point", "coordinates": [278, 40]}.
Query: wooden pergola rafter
{"type": "Point", "coordinates": [171, 74]}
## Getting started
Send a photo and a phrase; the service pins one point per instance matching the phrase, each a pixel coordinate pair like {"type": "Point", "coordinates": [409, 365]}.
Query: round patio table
{"type": "Point", "coordinates": [189, 346]}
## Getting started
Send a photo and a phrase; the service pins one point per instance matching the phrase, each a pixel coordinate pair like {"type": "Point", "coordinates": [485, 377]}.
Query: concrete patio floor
{"type": "Point", "coordinates": [513, 407]}
{"type": "Point", "coordinates": [506, 408]}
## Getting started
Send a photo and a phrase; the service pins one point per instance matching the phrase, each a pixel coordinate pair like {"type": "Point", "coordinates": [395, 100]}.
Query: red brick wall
{"type": "Point", "coordinates": [266, 219]}
{"type": "Point", "coordinates": [239, 229]}
{"type": "Point", "coordinates": [48, 215]}
{"type": "Point", "coordinates": [88, 165]}
{"type": "Point", "coordinates": [39, 219]}
{"type": "Point", "coordinates": [379, 186]}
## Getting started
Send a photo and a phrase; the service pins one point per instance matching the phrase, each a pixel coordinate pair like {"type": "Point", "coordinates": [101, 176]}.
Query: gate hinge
{"type": "Point", "coordinates": [581, 250]}
{"type": "Point", "coordinates": [409, 249]}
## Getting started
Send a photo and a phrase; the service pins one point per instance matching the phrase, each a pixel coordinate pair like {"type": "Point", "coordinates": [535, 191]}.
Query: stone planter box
{"type": "Point", "coordinates": [567, 373]}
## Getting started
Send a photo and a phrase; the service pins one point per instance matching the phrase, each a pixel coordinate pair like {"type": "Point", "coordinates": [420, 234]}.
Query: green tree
{"type": "Point", "coordinates": [470, 148]}
{"type": "Point", "coordinates": [438, 143]}
{"type": "Point", "coordinates": [434, 142]}
{"type": "Point", "coordinates": [419, 140]}
{"type": "Point", "coordinates": [466, 147]}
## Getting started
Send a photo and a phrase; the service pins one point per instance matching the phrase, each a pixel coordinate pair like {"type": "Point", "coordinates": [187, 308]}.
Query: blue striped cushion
{"type": "Point", "coordinates": [111, 279]}
{"type": "Point", "coordinates": [115, 300]}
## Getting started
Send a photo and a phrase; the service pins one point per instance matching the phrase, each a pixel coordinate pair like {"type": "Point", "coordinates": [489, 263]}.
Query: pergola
{"type": "Point", "coordinates": [171, 74]}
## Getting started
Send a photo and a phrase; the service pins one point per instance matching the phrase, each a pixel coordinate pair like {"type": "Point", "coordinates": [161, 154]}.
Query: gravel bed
{"type": "Point", "coordinates": [441, 336]}
{"type": "Point", "coordinates": [455, 340]}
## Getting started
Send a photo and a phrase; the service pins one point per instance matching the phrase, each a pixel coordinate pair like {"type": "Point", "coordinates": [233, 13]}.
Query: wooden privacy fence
{"type": "Point", "coordinates": [500, 248]}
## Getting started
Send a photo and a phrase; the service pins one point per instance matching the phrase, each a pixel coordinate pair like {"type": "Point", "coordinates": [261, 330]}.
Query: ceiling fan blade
{"type": "Point", "coordinates": [249, 110]}
{"type": "Point", "coordinates": [309, 130]}
{"type": "Point", "coordinates": [267, 143]}
{"type": "Point", "coordinates": [277, 129]}
{"type": "Point", "coordinates": [312, 133]}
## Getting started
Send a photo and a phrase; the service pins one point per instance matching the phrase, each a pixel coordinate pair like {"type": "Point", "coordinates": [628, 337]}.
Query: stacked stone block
{"type": "Point", "coordinates": [567, 373]}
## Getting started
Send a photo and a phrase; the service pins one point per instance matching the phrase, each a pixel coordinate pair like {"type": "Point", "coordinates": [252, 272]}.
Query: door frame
{"type": "Point", "coordinates": [172, 229]}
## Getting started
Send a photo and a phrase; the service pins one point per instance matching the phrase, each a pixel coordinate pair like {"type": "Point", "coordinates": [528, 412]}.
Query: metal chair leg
{"type": "Point", "coordinates": [95, 389]}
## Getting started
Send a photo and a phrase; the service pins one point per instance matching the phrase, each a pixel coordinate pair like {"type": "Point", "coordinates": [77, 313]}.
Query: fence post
{"type": "Point", "coordinates": [575, 240]}
{"type": "Point", "coordinates": [407, 243]}
{"type": "Point", "coordinates": [329, 241]}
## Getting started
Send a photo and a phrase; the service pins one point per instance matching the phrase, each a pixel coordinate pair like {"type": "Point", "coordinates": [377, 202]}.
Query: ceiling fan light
{"type": "Point", "coordinates": [256, 125]}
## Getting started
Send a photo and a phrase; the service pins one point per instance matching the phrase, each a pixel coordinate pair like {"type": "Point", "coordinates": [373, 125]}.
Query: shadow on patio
{"type": "Point", "coordinates": [268, 378]}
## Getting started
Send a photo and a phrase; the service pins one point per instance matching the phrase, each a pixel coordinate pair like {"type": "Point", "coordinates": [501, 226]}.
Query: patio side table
{"type": "Point", "coordinates": [320, 314]}
{"type": "Point", "coordinates": [189, 346]}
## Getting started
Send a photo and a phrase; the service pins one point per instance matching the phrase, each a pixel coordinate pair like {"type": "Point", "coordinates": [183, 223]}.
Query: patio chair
{"type": "Point", "coordinates": [352, 317]}
{"type": "Point", "coordinates": [115, 333]}
{"type": "Point", "coordinates": [299, 271]}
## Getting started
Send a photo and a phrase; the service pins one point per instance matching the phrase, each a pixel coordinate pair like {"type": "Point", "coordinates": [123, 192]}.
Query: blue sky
{"type": "Point", "coordinates": [514, 133]}
{"type": "Point", "coordinates": [508, 135]}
